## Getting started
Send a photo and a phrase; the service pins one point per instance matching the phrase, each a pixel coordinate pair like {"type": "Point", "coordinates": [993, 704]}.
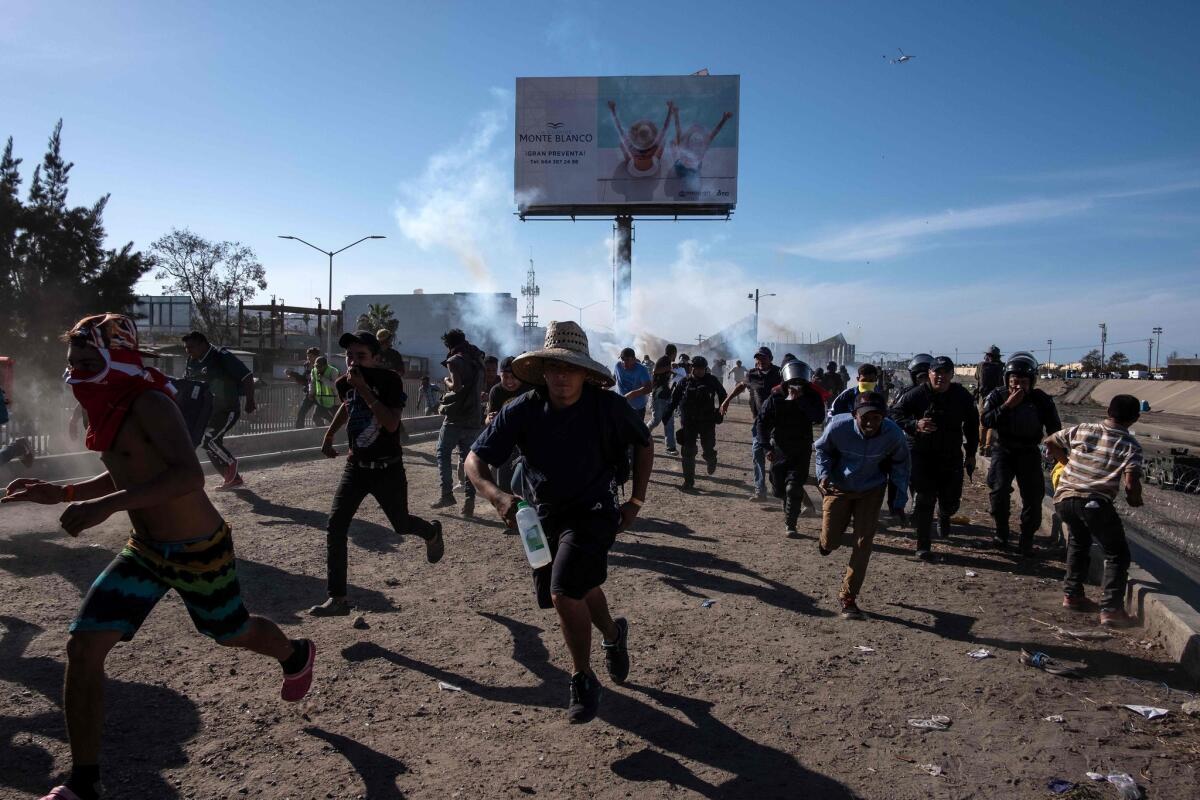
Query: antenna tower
{"type": "Point", "coordinates": [529, 291]}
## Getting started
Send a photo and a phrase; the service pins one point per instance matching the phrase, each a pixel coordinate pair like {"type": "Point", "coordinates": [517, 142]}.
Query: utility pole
{"type": "Point", "coordinates": [1103, 344]}
{"type": "Point", "coordinates": [756, 295]}
{"type": "Point", "coordinates": [529, 291]}
{"type": "Point", "coordinates": [1149, 352]}
{"type": "Point", "coordinates": [1157, 353]}
{"type": "Point", "coordinates": [1050, 351]}
{"type": "Point", "coordinates": [699, 339]}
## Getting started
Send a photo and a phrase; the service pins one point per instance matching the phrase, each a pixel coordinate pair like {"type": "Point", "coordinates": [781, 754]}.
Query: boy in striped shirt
{"type": "Point", "coordinates": [1101, 458]}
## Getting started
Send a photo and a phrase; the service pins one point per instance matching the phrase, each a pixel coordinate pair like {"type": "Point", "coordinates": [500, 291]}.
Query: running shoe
{"type": "Point", "coordinates": [821, 549]}
{"type": "Point", "coordinates": [435, 548]}
{"type": "Point", "coordinates": [850, 609]}
{"type": "Point", "coordinates": [616, 654]}
{"type": "Point", "coordinates": [585, 698]}
{"type": "Point", "coordinates": [925, 555]}
{"type": "Point", "coordinates": [468, 507]}
{"type": "Point", "coordinates": [671, 451]}
{"type": "Point", "coordinates": [333, 607]}
{"type": "Point", "coordinates": [236, 483]}
{"type": "Point", "coordinates": [1116, 618]}
{"type": "Point", "coordinates": [758, 497]}
{"type": "Point", "coordinates": [792, 533]}
{"type": "Point", "coordinates": [445, 501]}
{"type": "Point", "coordinates": [1079, 603]}
{"type": "Point", "coordinates": [296, 685]}
{"type": "Point", "coordinates": [712, 467]}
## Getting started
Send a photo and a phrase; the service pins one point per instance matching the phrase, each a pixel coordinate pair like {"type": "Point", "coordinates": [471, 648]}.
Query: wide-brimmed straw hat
{"type": "Point", "coordinates": [565, 342]}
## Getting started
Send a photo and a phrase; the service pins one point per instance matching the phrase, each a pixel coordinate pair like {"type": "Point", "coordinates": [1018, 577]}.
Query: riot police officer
{"type": "Point", "coordinates": [786, 426]}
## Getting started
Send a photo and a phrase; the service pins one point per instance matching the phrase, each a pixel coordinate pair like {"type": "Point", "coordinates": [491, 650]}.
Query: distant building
{"type": "Point", "coordinates": [163, 316]}
{"type": "Point", "coordinates": [489, 320]}
{"type": "Point", "coordinates": [1183, 369]}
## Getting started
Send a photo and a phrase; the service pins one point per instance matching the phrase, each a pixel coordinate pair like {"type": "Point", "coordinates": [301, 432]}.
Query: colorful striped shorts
{"type": "Point", "coordinates": [202, 571]}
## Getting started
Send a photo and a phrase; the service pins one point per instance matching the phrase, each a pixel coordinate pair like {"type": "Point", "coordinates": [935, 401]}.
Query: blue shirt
{"type": "Point", "coordinates": [855, 463]}
{"type": "Point", "coordinates": [630, 379]}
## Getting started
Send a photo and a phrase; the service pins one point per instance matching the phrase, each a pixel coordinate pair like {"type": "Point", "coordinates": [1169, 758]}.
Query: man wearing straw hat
{"type": "Point", "coordinates": [573, 437]}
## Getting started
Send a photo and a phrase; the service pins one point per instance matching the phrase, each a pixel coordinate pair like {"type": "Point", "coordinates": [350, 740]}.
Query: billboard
{"type": "Point", "coordinates": [657, 144]}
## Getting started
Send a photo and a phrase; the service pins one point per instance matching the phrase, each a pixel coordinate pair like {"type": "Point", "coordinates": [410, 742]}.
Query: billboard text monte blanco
{"type": "Point", "coordinates": [616, 145]}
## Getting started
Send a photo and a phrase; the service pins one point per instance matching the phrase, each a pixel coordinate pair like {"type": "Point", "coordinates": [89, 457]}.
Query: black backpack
{"type": "Point", "coordinates": [195, 401]}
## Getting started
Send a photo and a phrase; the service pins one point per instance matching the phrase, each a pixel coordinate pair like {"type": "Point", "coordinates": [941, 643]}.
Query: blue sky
{"type": "Point", "coordinates": [1034, 171]}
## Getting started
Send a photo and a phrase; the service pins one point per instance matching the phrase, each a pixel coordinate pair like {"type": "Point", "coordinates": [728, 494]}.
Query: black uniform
{"type": "Point", "coordinates": [1016, 436]}
{"type": "Point", "coordinates": [937, 458]}
{"type": "Point", "coordinates": [697, 400]}
{"type": "Point", "coordinates": [786, 425]}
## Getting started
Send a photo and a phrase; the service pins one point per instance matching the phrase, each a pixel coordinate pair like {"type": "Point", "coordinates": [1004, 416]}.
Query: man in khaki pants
{"type": "Point", "coordinates": [856, 456]}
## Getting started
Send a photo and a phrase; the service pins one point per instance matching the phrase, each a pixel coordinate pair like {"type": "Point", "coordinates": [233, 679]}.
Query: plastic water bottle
{"type": "Point", "coordinates": [533, 538]}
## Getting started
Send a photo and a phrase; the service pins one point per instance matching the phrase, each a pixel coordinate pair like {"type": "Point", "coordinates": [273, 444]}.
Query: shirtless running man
{"type": "Point", "coordinates": [179, 540]}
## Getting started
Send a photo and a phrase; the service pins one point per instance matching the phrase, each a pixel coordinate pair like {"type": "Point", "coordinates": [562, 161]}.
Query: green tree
{"type": "Point", "coordinates": [379, 315]}
{"type": "Point", "coordinates": [1118, 362]}
{"type": "Point", "coordinates": [54, 267]}
{"type": "Point", "coordinates": [1091, 362]}
{"type": "Point", "coordinates": [216, 275]}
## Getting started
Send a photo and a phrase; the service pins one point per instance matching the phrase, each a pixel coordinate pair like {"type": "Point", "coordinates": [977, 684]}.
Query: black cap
{"type": "Point", "coordinates": [763, 352]}
{"type": "Point", "coordinates": [196, 336]}
{"type": "Point", "coordinates": [506, 364]}
{"type": "Point", "coordinates": [940, 363]}
{"type": "Point", "coordinates": [700, 361]}
{"type": "Point", "coordinates": [628, 353]}
{"type": "Point", "coordinates": [360, 337]}
{"type": "Point", "coordinates": [869, 401]}
{"type": "Point", "coordinates": [1124, 408]}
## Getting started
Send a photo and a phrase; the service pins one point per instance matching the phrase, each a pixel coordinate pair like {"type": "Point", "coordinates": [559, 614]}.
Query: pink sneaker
{"type": "Point", "coordinates": [295, 686]}
{"type": "Point", "coordinates": [61, 793]}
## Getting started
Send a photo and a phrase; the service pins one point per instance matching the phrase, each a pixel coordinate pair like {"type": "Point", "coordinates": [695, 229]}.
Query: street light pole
{"type": "Point", "coordinates": [1103, 344]}
{"type": "Point", "coordinates": [580, 309]}
{"type": "Point", "coordinates": [1158, 352]}
{"type": "Point", "coordinates": [331, 254]}
{"type": "Point", "coordinates": [1050, 351]}
{"type": "Point", "coordinates": [756, 296]}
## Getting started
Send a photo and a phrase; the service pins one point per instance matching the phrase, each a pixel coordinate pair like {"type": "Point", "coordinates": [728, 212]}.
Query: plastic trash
{"type": "Point", "coordinates": [1126, 785]}
{"type": "Point", "coordinates": [1054, 718]}
{"type": "Point", "coordinates": [1054, 666]}
{"type": "Point", "coordinates": [971, 574]}
{"type": "Point", "coordinates": [1149, 712]}
{"type": "Point", "coordinates": [932, 769]}
{"type": "Point", "coordinates": [708, 604]}
{"type": "Point", "coordinates": [982, 652]}
{"type": "Point", "coordinates": [1058, 786]}
{"type": "Point", "coordinates": [862, 648]}
{"type": "Point", "coordinates": [1083, 635]}
{"type": "Point", "coordinates": [1096, 776]}
{"type": "Point", "coordinates": [360, 622]}
{"type": "Point", "coordinates": [937, 722]}
{"type": "Point", "coordinates": [533, 538]}
{"type": "Point", "coordinates": [448, 687]}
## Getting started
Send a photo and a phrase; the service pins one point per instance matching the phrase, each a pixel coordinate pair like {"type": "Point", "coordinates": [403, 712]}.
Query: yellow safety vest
{"type": "Point", "coordinates": [325, 393]}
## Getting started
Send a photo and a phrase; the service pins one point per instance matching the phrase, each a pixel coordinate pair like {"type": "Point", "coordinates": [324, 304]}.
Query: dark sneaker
{"type": "Point", "coordinates": [446, 501]}
{"type": "Point", "coordinates": [925, 555]}
{"type": "Point", "coordinates": [850, 609]}
{"type": "Point", "coordinates": [712, 467]}
{"type": "Point", "coordinates": [1000, 542]}
{"type": "Point", "coordinates": [616, 654]}
{"type": "Point", "coordinates": [1079, 603]}
{"type": "Point", "coordinates": [792, 533]}
{"type": "Point", "coordinates": [435, 548]}
{"type": "Point", "coordinates": [585, 698]}
{"type": "Point", "coordinates": [333, 607]}
{"type": "Point", "coordinates": [671, 451]}
{"type": "Point", "coordinates": [821, 549]}
{"type": "Point", "coordinates": [758, 497]}
{"type": "Point", "coordinates": [468, 509]}
{"type": "Point", "coordinates": [687, 486]}
{"type": "Point", "coordinates": [1116, 618]}
{"type": "Point", "coordinates": [942, 531]}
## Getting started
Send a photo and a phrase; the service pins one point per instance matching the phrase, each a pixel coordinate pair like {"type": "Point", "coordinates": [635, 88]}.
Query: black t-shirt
{"type": "Point", "coordinates": [662, 382]}
{"type": "Point", "coordinates": [566, 467]}
{"type": "Point", "coordinates": [223, 372]}
{"type": "Point", "coordinates": [761, 382]}
{"type": "Point", "coordinates": [370, 441]}
{"type": "Point", "coordinates": [499, 397]}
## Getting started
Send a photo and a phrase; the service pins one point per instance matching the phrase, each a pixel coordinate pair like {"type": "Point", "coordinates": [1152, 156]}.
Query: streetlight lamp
{"type": "Point", "coordinates": [580, 309]}
{"type": "Point", "coordinates": [331, 254]}
{"type": "Point", "coordinates": [756, 296]}
{"type": "Point", "coordinates": [1158, 352]}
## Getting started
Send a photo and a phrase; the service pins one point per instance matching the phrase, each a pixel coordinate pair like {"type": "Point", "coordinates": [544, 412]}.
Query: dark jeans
{"type": "Point", "coordinates": [758, 455]}
{"type": "Point", "coordinates": [454, 436]}
{"type": "Point", "coordinates": [707, 434]}
{"type": "Point", "coordinates": [1087, 519]}
{"type": "Point", "coordinates": [788, 476]}
{"type": "Point", "coordinates": [936, 480]}
{"type": "Point", "coordinates": [1025, 465]}
{"type": "Point", "coordinates": [389, 487]}
{"type": "Point", "coordinates": [306, 405]}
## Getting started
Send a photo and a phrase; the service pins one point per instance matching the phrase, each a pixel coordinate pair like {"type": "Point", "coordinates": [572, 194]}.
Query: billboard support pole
{"type": "Point", "coordinates": [624, 282]}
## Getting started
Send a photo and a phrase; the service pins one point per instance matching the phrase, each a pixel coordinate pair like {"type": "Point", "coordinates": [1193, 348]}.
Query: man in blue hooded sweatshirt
{"type": "Point", "coordinates": [856, 456]}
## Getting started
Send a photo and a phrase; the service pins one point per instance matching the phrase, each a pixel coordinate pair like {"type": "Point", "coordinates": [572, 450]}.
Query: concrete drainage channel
{"type": "Point", "coordinates": [253, 451]}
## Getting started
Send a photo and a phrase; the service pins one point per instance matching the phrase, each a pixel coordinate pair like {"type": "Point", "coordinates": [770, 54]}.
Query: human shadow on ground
{"type": "Point", "coordinates": [695, 573]}
{"type": "Point", "coordinates": [145, 732]}
{"type": "Point", "coordinates": [669, 527]}
{"type": "Point", "coordinates": [369, 536]}
{"type": "Point", "coordinates": [951, 558]}
{"type": "Point", "coordinates": [1101, 662]}
{"type": "Point", "coordinates": [377, 770]}
{"type": "Point", "coordinates": [758, 770]}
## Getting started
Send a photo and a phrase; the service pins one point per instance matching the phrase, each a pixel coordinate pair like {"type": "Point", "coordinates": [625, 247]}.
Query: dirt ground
{"type": "Point", "coordinates": [764, 694]}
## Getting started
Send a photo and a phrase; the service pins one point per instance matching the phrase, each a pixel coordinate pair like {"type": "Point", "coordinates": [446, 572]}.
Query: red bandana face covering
{"type": "Point", "coordinates": [108, 395]}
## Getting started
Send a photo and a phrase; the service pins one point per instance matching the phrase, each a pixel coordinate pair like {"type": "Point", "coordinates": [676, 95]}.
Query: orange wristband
{"type": "Point", "coordinates": [69, 493]}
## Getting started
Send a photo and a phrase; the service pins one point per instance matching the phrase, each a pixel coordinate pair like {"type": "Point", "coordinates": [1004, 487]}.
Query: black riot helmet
{"type": "Point", "coordinates": [919, 364]}
{"type": "Point", "coordinates": [796, 372]}
{"type": "Point", "coordinates": [1024, 364]}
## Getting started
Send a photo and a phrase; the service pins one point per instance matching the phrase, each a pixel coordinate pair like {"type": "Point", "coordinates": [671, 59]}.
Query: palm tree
{"type": "Point", "coordinates": [379, 315]}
